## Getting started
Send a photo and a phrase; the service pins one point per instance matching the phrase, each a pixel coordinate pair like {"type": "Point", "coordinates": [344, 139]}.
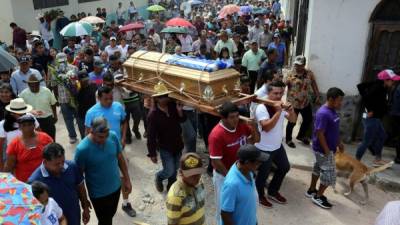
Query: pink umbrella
{"type": "Point", "coordinates": [178, 22]}
{"type": "Point", "coordinates": [131, 26]}
{"type": "Point", "coordinates": [228, 10]}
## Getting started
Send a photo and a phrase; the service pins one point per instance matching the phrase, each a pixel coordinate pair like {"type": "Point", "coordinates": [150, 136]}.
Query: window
{"type": "Point", "coordinates": [42, 4]}
{"type": "Point", "coordinates": [83, 1]}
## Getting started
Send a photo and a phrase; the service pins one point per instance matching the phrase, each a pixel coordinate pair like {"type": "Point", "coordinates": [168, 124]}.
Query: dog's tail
{"type": "Point", "coordinates": [381, 168]}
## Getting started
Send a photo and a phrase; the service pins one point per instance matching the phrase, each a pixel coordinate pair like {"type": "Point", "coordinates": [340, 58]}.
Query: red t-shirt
{"type": "Point", "coordinates": [27, 159]}
{"type": "Point", "coordinates": [224, 144]}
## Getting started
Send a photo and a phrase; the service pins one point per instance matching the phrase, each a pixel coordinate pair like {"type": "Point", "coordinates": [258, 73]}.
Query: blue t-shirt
{"type": "Point", "coordinates": [281, 49]}
{"type": "Point", "coordinates": [100, 165]}
{"type": "Point", "coordinates": [328, 121]}
{"type": "Point", "coordinates": [114, 115]}
{"type": "Point", "coordinates": [63, 189]}
{"type": "Point", "coordinates": [239, 197]}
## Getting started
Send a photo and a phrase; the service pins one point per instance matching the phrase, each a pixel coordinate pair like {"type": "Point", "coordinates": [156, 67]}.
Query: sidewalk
{"type": "Point", "coordinates": [302, 157]}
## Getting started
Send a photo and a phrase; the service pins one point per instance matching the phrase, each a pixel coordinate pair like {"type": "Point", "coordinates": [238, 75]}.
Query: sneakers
{"type": "Point", "coordinates": [159, 185]}
{"type": "Point", "coordinates": [264, 202]}
{"type": "Point", "coordinates": [310, 194]}
{"type": "Point", "coordinates": [129, 210]}
{"type": "Point", "coordinates": [290, 144]}
{"type": "Point", "coordinates": [73, 140]}
{"type": "Point", "coordinates": [278, 198]}
{"type": "Point", "coordinates": [379, 162]}
{"type": "Point", "coordinates": [321, 202]}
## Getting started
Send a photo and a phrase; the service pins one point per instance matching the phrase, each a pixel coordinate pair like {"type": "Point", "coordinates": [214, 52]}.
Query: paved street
{"type": "Point", "coordinates": [299, 210]}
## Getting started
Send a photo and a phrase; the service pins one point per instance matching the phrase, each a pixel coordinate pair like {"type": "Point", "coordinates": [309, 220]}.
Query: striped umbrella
{"type": "Point", "coordinates": [76, 29]}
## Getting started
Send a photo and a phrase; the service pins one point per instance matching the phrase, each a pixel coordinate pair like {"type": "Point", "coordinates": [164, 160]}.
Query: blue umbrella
{"type": "Point", "coordinates": [245, 9]}
{"type": "Point", "coordinates": [7, 61]}
{"type": "Point", "coordinates": [196, 2]}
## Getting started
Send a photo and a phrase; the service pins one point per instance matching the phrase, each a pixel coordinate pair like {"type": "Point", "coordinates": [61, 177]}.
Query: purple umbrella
{"type": "Point", "coordinates": [245, 9]}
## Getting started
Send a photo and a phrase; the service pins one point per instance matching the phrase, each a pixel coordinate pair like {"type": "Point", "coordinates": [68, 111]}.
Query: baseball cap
{"type": "Point", "coordinates": [300, 60]}
{"type": "Point", "coordinates": [388, 75]}
{"type": "Point", "coordinates": [253, 42]}
{"type": "Point", "coordinates": [276, 34]}
{"type": "Point", "coordinates": [251, 153]}
{"type": "Point", "coordinates": [26, 118]}
{"type": "Point", "coordinates": [98, 63]}
{"type": "Point", "coordinates": [113, 38]}
{"type": "Point", "coordinates": [24, 59]}
{"type": "Point", "coordinates": [82, 75]}
{"type": "Point", "coordinates": [191, 164]}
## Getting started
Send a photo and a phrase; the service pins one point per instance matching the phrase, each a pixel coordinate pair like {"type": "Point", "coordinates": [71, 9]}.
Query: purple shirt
{"type": "Point", "coordinates": [326, 120]}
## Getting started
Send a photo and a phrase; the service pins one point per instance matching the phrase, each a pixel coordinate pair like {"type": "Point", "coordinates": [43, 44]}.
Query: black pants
{"type": "Point", "coordinates": [47, 126]}
{"type": "Point", "coordinates": [133, 109]}
{"type": "Point", "coordinates": [306, 114]}
{"type": "Point", "coordinates": [396, 134]}
{"type": "Point", "coordinates": [280, 159]}
{"type": "Point", "coordinates": [106, 207]}
{"type": "Point", "coordinates": [145, 113]}
{"type": "Point", "coordinates": [208, 122]}
{"type": "Point", "coordinates": [253, 80]}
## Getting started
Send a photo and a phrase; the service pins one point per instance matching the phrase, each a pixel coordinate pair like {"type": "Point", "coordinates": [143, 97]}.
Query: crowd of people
{"type": "Point", "coordinates": [82, 79]}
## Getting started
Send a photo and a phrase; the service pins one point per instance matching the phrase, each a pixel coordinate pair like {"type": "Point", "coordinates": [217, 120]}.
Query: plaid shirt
{"type": "Point", "coordinates": [63, 94]}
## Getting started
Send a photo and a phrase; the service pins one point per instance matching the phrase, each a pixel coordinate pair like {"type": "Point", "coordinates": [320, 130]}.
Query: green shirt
{"type": "Point", "coordinates": [253, 61]}
{"type": "Point", "coordinates": [41, 101]}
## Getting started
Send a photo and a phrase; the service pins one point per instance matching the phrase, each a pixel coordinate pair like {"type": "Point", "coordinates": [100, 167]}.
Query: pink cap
{"type": "Point", "coordinates": [388, 75]}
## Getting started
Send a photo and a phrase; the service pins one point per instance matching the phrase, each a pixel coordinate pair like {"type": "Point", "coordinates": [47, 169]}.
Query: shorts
{"type": "Point", "coordinates": [325, 167]}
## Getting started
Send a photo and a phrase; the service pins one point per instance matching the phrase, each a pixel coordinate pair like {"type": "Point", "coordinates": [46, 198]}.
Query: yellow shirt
{"type": "Point", "coordinates": [185, 204]}
{"type": "Point", "coordinates": [43, 100]}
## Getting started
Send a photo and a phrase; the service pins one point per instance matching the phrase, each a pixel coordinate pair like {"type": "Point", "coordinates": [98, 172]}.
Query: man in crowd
{"type": "Point", "coordinates": [87, 98]}
{"type": "Point", "coordinates": [44, 103]}
{"type": "Point", "coordinates": [187, 193]}
{"type": "Point", "coordinates": [96, 76]}
{"type": "Point", "coordinates": [280, 48]}
{"type": "Point", "coordinates": [113, 47]}
{"type": "Point", "coordinates": [224, 142]}
{"type": "Point", "coordinates": [325, 142]}
{"type": "Point", "coordinates": [299, 82]}
{"type": "Point", "coordinates": [227, 42]}
{"type": "Point", "coordinates": [65, 96]}
{"type": "Point", "coordinates": [269, 63]}
{"type": "Point", "coordinates": [19, 36]}
{"type": "Point", "coordinates": [100, 158]}
{"type": "Point", "coordinates": [88, 60]}
{"type": "Point", "coordinates": [66, 183]}
{"type": "Point", "coordinates": [256, 31]}
{"type": "Point", "coordinates": [265, 38]}
{"type": "Point", "coordinates": [238, 197]}
{"type": "Point", "coordinates": [252, 60]}
{"type": "Point", "coordinates": [120, 14]}
{"type": "Point", "coordinates": [164, 134]}
{"type": "Point", "coordinates": [41, 58]}
{"type": "Point", "coordinates": [270, 123]}
{"type": "Point", "coordinates": [21, 75]}
{"type": "Point", "coordinates": [241, 29]}
{"type": "Point", "coordinates": [203, 40]}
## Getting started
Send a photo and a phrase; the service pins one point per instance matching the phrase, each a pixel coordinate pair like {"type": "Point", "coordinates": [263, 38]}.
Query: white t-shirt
{"type": "Point", "coordinates": [110, 50]}
{"type": "Point", "coordinates": [271, 140]}
{"type": "Point", "coordinates": [51, 214]}
{"type": "Point", "coordinates": [124, 50]}
{"type": "Point", "coordinates": [9, 136]}
{"type": "Point", "coordinates": [262, 93]}
{"type": "Point", "coordinates": [186, 43]}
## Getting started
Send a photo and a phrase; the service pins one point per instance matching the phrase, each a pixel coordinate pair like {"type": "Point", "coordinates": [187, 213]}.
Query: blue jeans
{"type": "Point", "coordinates": [69, 113]}
{"type": "Point", "coordinates": [170, 163]}
{"type": "Point", "coordinates": [189, 130]}
{"type": "Point", "coordinates": [373, 138]}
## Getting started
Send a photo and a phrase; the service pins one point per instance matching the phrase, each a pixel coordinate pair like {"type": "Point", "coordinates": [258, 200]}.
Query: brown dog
{"type": "Point", "coordinates": [359, 172]}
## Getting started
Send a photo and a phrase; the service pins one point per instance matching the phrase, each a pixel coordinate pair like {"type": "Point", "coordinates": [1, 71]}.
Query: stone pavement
{"type": "Point", "coordinates": [302, 157]}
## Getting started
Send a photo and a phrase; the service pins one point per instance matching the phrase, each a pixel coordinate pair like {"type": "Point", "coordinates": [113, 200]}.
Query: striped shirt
{"type": "Point", "coordinates": [185, 204]}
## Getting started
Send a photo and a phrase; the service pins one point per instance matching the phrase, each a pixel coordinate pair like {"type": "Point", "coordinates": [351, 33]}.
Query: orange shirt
{"type": "Point", "coordinates": [27, 159]}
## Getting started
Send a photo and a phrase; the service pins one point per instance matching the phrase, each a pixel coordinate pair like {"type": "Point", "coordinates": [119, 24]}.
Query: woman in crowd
{"type": "Point", "coordinates": [224, 57]}
{"type": "Point", "coordinates": [24, 153]}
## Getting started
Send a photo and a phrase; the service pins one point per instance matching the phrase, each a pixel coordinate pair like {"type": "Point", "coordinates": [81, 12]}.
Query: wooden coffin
{"type": "Point", "coordinates": [197, 88]}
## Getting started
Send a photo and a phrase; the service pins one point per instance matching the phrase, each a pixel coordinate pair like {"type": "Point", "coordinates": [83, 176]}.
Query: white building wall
{"type": "Point", "coordinates": [22, 12]}
{"type": "Point", "coordinates": [336, 42]}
